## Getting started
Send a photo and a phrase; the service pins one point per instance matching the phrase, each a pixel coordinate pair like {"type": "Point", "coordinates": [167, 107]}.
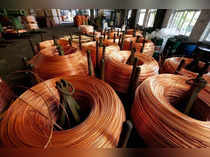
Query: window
{"type": "Point", "coordinates": [183, 21]}
{"type": "Point", "coordinates": [147, 17]}
{"type": "Point", "coordinates": [107, 13]}
{"type": "Point", "coordinates": [206, 34]}
{"type": "Point", "coordinates": [142, 13]}
{"type": "Point", "coordinates": [151, 17]}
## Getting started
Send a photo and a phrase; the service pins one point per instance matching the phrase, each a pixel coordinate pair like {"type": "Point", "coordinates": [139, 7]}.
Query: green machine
{"type": "Point", "coordinates": [13, 15]}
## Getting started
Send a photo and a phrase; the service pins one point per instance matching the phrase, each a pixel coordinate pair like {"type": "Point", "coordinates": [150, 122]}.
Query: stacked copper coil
{"type": "Point", "coordinates": [131, 32]}
{"type": "Point", "coordinates": [49, 64]}
{"type": "Point", "coordinates": [48, 43]}
{"type": "Point", "coordinates": [148, 50]}
{"type": "Point", "coordinates": [80, 20]}
{"type": "Point", "coordinates": [118, 34]}
{"type": "Point", "coordinates": [171, 64]}
{"type": "Point", "coordinates": [92, 47]}
{"type": "Point", "coordinates": [157, 120]}
{"type": "Point", "coordinates": [86, 29]}
{"type": "Point", "coordinates": [149, 46]}
{"type": "Point", "coordinates": [118, 73]}
{"type": "Point", "coordinates": [29, 120]}
{"type": "Point", "coordinates": [6, 95]}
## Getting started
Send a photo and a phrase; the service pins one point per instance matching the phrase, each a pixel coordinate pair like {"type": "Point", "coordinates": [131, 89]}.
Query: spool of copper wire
{"type": "Point", "coordinates": [92, 47]}
{"type": "Point", "coordinates": [171, 64]}
{"type": "Point", "coordinates": [131, 32]}
{"type": "Point", "coordinates": [118, 73]}
{"type": "Point", "coordinates": [148, 50]}
{"type": "Point", "coordinates": [28, 122]}
{"type": "Point", "coordinates": [49, 64]}
{"type": "Point", "coordinates": [160, 123]}
{"type": "Point", "coordinates": [48, 43]}
{"type": "Point", "coordinates": [86, 29]}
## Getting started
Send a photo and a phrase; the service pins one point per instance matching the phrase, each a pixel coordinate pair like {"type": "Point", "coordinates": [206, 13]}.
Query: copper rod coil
{"type": "Point", "coordinates": [49, 43]}
{"type": "Point", "coordinates": [63, 41]}
{"type": "Point", "coordinates": [159, 123]}
{"type": "Point", "coordinates": [120, 33]}
{"type": "Point", "coordinates": [131, 31]}
{"type": "Point", "coordinates": [118, 73]}
{"type": "Point", "coordinates": [24, 126]}
{"type": "Point", "coordinates": [86, 29]}
{"type": "Point", "coordinates": [170, 65]}
{"type": "Point", "coordinates": [92, 47]}
{"type": "Point", "coordinates": [149, 46]}
{"type": "Point", "coordinates": [48, 64]}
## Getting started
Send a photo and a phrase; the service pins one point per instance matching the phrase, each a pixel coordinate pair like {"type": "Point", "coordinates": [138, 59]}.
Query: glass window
{"type": "Point", "coordinates": [183, 21]}
{"type": "Point", "coordinates": [141, 17]}
{"type": "Point", "coordinates": [151, 17]}
{"type": "Point", "coordinates": [206, 34]}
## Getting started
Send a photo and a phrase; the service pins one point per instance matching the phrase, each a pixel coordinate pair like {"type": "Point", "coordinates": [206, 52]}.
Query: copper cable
{"type": "Point", "coordinates": [64, 41]}
{"type": "Point", "coordinates": [148, 50]}
{"type": "Point", "coordinates": [121, 33]}
{"type": "Point", "coordinates": [86, 29]}
{"type": "Point", "coordinates": [118, 73]}
{"type": "Point", "coordinates": [80, 20]}
{"type": "Point", "coordinates": [170, 65]}
{"type": "Point", "coordinates": [47, 43]}
{"type": "Point", "coordinates": [49, 64]}
{"type": "Point", "coordinates": [92, 47]}
{"type": "Point", "coordinates": [27, 122]}
{"type": "Point", "coordinates": [157, 120]}
{"type": "Point", "coordinates": [131, 31]}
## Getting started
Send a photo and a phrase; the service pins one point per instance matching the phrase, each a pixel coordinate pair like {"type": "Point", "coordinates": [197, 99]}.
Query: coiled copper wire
{"type": "Point", "coordinates": [131, 31]}
{"type": "Point", "coordinates": [49, 64]}
{"type": "Point", "coordinates": [159, 123]}
{"type": "Point", "coordinates": [148, 50]}
{"type": "Point", "coordinates": [170, 65]}
{"type": "Point", "coordinates": [92, 47]}
{"type": "Point", "coordinates": [48, 43]}
{"type": "Point", "coordinates": [118, 73]}
{"type": "Point", "coordinates": [28, 122]}
{"type": "Point", "coordinates": [86, 29]}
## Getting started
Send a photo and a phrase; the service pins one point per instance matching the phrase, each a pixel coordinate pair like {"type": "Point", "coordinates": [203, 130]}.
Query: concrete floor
{"type": "Point", "coordinates": [11, 56]}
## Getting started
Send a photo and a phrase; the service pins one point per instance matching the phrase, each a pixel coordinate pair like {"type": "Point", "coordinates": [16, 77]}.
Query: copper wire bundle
{"type": "Point", "coordinates": [29, 124]}
{"type": "Point", "coordinates": [148, 50]}
{"type": "Point", "coordinates": [159, 123]}
{"type": "Point", "coordinates": [80, 20]}
{"type": "Point", "coordinates": [86, 29]}
{"type": "Point", "coordinates": [92, 47]}
{"type": "Point", "coordinates": [49, 64]}
{"type": "Point", "coordinates": [111, 35]}
{"type": "Point", "coordinates": [131, 31]}
{"type": "Point", "coordinates": [170, 65]}
{"type": "Point", "coordinates": [6, 95]}
{"type": "Point", "coordinates": [118, 73]}
{"type": "Point", "coordinates": [48, 43]}
{"type": "Point", "coordinates": [149, 46]}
